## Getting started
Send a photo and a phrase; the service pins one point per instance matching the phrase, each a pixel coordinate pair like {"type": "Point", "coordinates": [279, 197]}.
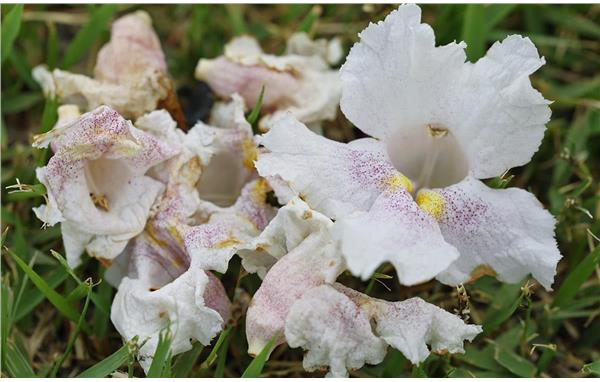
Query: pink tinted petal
{"type": "Point", "coordinates": [226, 77]}
{"type": "Point", "coordinates": [506, 233]}
{"type": "Point", "coordinates": [133, 50]}
{"type": "Point", "coordinates": [395, 229]}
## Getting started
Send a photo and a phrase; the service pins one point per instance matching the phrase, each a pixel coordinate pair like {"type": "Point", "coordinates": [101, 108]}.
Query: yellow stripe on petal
{"type": "Point", "coordinates": [394, 182]}
{"type": "Point", "coordinates": [250, 153]}
{"type": "Point", "coordinates": [432, 202]}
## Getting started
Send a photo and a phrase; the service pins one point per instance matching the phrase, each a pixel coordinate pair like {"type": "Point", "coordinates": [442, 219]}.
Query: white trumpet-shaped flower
{"type": "Point", "coordinates": [164, 288]}
{"type": "Point", "coordinates": [167, 282]}
{"type": "Point", "coordinates": [412, 195]}
{"type": "Point", "coordinates": [130, 74]}
{"type": "Point", "coordinates": [299, 303]}
{"type": "Point", "coordinates": [96, 182]}
{"type": "Point", "coordinates": [300, 81]}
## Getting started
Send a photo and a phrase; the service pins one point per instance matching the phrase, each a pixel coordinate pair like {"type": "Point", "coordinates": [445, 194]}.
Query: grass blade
{"type": "Point", "coordinates": [34, 296]}
{"type": "Point", "coordinates": [163, 349]}
{"type": "Point", "coordinates": [110, 363]}
{"type": "Point", "coordinates": [570, 286]}
{"type": "Point", "coordinates": [56, 299]}
{"type": "Point", "coordinates": [52, 46]}
{"type": "Point", "coordinates": [75, 334]}
{"type": "Point", "coordinates": [515, 363]}
{"type": "Point", "coordinates": [185, 363]}
{"type": "Point", "coordinates": [10, 30]}
{"type": "Point", "coordinates": [213, 353]}
{"type": "Point", "coordinates": [508, 304]}
{"type": "Point", "coordinates": [474, 31]}
{"type": "Point", "coordinates": [17, 364]}
{"type": "Point", "coordinates": [253, 116]}
{"type": "Point", "coordinates": [255, 368]}
{"type": "Point", "coordinates": [221, 359]}
{"type": "Point", "coordinates": [5, 306]}
{"type": "Point", "coordinates": [88, 34]}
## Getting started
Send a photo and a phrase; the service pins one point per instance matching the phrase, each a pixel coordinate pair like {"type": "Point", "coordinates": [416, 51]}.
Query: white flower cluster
{"type": "Point", "coordinates": [164, 208]}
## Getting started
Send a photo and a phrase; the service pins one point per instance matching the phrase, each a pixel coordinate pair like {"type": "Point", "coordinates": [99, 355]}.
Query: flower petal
{"type": "Point", "coordinates": [500, 115]}
{"type": "Point", "coordinates": [293, 223]}
{"type": "Point", "coordinates": [213, 243]}
{"type": "Point", "coordinates": [311, 259]}
{"type": "Point", "coordinates": [334, 331]}
{"type": "Point", "coordinates": [302, 84]}
{"type": "Point", "coordinates": [333, 178]}
{"type": "Point", "coordinates": [180, 305]}
{"type": "Point", "coordinates": [96, 180]}
{"type": "Point", "coordinates": [333, 323]}
{"type": "Point", "coordinates": [412, 324]}
{"type": "Point", "coordinates": [395, 81]}
{"type": "Point", "coordinates": [396, 230]}
{"type": "Point", "coordinates": [395, 76]}
{"type": "Point", "coordinates": [226, 150]}
{"type": "Point", "coordinates": [133, 50]}
{"type": "Point", "coordinates": [130, 74]}
{"type": "Point", "coordinates": [505, 231]}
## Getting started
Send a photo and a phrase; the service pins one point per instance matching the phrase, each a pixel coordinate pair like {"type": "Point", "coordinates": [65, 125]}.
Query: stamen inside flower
{"type": "Point", "coordinates": [429, 155]}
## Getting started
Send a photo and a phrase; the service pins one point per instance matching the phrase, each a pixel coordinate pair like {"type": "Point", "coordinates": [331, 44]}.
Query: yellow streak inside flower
{"type": "Point", "coordinates": [250, 153]}
{"type": "Point", "coordinates": [394, 182]}
{"type": "Point", "coordinates": [152, 236]}
{"type": "Point", "coordinates": [230, 241]}
{"type": "Point", "coordinates": [259, 190]}
{"type": "Point", "coordinates": [431, 202]}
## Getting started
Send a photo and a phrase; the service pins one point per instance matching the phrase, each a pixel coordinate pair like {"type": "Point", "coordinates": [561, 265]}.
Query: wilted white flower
{"type": "Point", "coordinates": [130, 74]}
{"type": "Point", "coordinates": [334, 324]}
{"type": "Point", "coordinates": [412, 195]}
{"type": "Point", "coordinates": [193, 228]}
{"type": "Point", "coordinates": [301, 238]}
{"type": "Point", "coordinates": [299, 302]}
{"type": "Point", "coordinates": [164, 288]}
{"type": "Point", "coordinates": [96, 182]}
{"type": "Point", "coordinates": [300, 81]}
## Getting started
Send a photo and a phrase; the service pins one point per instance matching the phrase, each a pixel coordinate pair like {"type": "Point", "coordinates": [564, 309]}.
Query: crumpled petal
{"type": "Point", "coordinates": [395, 229]}
{"type": "Point", "coordinates": [301, 44]}
{"type": "Point", "coordinates": [133, 49]}
{"type": "Point", "coordinates": [96, 180]}
{"type": "Point", "coordinates": [411, 325]}
{"type": "Point", "coordinates": [164, 286]}
{"type": "Point", "coordinates": [395, 80]}
{"type": "Point", "coordinates": [334, 331]}
{"type": "Point", "coordinates": [293, 223]}
{"type": "Point", "coordinates": [180, 305]}
{"type": "Point", "coordinates": [226, 230]}
{"type": "Point", "coordinates": [130, 74]}
{"type": "Point", "coordinates": [333, 323]}
{"type": "Point", "coordinates": [161, 125]}
{"type": "Point", "coordinates": [226, 151]}
{"type": "Point", "coordinates": [334, 178]}
{"type": "Point", "coordinates": [505, 233]}
{"type": "Point", "coordinates": [300, 82]}
{"type": "Point", "coordinates": [311, 259]}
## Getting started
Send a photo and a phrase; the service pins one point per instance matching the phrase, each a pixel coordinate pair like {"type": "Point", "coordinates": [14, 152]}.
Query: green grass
{"type": "Point", "coordinates": [55, 323]}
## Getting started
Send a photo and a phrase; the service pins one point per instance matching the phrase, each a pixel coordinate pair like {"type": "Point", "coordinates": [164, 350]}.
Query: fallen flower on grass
{"type": "Point", "coordinates": [299, 303]}
{"type": "Point", "coordinates": [96, 182]}
{"type": "Point", "coordinates": [300, 81]}
{"type": "Point", "coordinates": [439, 125]}
{"type": "Point", "coordinates": [130, 74]}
